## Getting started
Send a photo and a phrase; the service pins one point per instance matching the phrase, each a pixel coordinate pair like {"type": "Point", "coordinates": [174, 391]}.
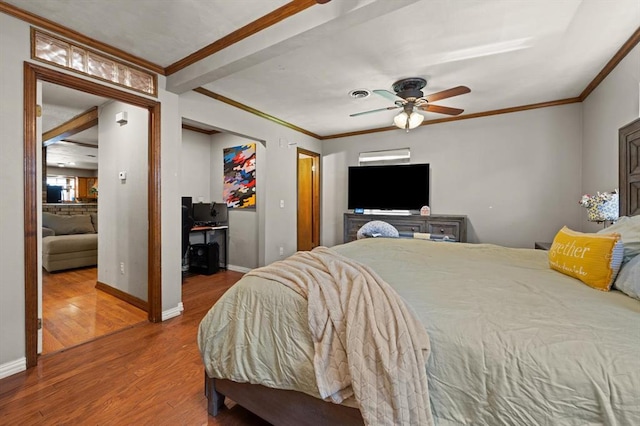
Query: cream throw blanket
{"type": "Point", "coordinates": [367, 342]}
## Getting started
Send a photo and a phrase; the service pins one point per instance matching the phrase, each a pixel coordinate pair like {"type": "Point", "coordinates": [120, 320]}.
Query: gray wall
{"type": "Point", "coordinates": [202, 177]}
{"type": "Point", "coordinates": [516, 176]}
{"type": "Point", "coordinates": [514, 182]}
{"type": "Point", "coordinates": [123, 213]}
{"type": "Point", "coordinates": [195, 176]}
{"type": "Point", "coordinates": [14, 51]}
{"type": "Point", "coordinates": [244, 232]}
{"type": "Point", "coordinates": [278, 167]}
{"type": "Point", "coordinates": [170, 201]}
{"type": "Point", "coordinates": [610, 106]}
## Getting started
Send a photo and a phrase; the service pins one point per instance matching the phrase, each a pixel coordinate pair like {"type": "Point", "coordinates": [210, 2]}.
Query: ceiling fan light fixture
{"type": "Point", "coordinates": [408, 122]}
{"type": "Point", "coordinates": [400, 120]}
{"type": "Point", "coordinates": [415, 120]}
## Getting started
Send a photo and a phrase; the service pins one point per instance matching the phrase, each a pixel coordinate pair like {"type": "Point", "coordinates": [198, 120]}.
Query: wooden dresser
{"type": "Point", "coordinates": [455, 226]}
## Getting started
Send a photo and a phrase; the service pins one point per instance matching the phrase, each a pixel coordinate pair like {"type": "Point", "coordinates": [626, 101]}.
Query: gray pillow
{"type": "Point", "coordinates": [67, 225]}
{"type": "Point", "coordinates": [47, 232]}
{"type": "Point", "coordinates": [629, 229]}
{"type": "Point", "coordinates": [628, 280]}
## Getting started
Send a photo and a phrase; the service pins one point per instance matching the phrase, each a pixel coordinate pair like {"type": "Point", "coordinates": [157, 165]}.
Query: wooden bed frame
{"type": "Point", "coordinates": [285, 407]}
{"type": "Point", "coordinates": [277, 406]}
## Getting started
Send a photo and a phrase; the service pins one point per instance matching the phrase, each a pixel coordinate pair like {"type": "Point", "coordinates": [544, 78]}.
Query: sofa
{"type": "Point", "coordinates": [69, 241]}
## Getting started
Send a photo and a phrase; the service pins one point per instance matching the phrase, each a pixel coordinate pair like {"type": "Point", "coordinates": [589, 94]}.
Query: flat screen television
{"type": "Point", "coordinates": [391, 187]}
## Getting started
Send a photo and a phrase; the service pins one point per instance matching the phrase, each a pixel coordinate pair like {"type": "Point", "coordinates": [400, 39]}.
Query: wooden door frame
{"type": "Point", "coordinates": [316, 189]}
{"type": "Point", "coordinates": [32, 74]}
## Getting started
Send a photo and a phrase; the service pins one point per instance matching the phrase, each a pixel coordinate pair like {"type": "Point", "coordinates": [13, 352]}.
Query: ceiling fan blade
{"type": "Point", "coordinates": [449, 93]}
{"type": "Point", "coordinates": [442, 109]}
{"type": "Point", "coordinates": [387, 94]}
{"type": "Point", "coordinates": [373, 110]}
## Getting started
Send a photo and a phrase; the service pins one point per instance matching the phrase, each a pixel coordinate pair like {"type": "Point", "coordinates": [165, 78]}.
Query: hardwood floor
{"type": "Point", "coordinates": [146, 374]}
{"type": "Point", "coordinates": [74, 311]}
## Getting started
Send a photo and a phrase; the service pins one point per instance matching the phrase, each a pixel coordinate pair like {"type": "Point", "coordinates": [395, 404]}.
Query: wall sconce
{"type": "Point", "coordinates": [121, 118]}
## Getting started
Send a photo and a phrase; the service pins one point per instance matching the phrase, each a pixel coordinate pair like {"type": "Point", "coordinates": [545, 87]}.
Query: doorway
{"type": "Point", "coordinates": [32, 74]}
{"type": "Point", "coordinates": [308, 199]}
{"type": "Point", "coordinates": [77, 304]}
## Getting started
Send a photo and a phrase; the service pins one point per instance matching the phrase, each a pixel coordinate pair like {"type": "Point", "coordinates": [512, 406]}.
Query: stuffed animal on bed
{"type": "Point", "coordinates": [377, 228]}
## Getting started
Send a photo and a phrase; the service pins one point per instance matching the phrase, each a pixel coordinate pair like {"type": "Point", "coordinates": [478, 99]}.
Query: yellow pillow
{"type": "Point", "coordinates": [594, 259]}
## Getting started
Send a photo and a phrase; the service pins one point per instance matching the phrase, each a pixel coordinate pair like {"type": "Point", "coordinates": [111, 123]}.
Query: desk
{"type": "Point", "coordinates": [205, 230]}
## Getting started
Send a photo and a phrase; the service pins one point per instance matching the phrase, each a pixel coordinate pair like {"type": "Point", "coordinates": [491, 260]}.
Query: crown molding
{"type": "Point", "coordinates": [247, 108]}
{"type": "Point", "coordinates": [41, 22]}
{"type": "Point", "coordinates": [462, 117]}
{"type": "Point", "coordinates": [199, 130]}
{"type": "Point", "coordinates": [613, 62]}
{"type": "Point", "coordinates": [272, 18]}
{"type": "Point", "coordinates": [233, 103]}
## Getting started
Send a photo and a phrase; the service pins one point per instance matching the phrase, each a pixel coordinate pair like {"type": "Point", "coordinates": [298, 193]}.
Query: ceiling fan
{"type": "Point", "coordinates": [408, 96]}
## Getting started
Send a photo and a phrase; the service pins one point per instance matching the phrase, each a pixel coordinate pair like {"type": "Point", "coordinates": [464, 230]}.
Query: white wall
{"type": "Point", "coordinates": [122, 211]}
{"type": "Point", "coordinates": [516, 176]}
{"type": "Point", "coordinates": [195, 179]}
{"type": "Point", "coordinates": [279, 166]}
{"type": "Point", "coordinates": [610, 106]}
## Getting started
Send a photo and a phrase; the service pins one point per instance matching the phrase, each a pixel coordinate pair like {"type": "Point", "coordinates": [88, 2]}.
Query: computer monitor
{"type": "Point", "coordinates": [220, 213]}
{"type": "Point", "coordinates": [210, 212]}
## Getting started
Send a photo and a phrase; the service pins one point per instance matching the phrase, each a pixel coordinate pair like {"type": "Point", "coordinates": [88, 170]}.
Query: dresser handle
{"type": "Point", "coordinates": [442, 230]}
{"type": "Point", "coordinates": [413, 229]}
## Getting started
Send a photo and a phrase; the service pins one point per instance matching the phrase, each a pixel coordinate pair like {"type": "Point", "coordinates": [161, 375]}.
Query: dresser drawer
{"type": "Point", "coordinates": [401, 224]}
{"type": "Point", "coordinates": [409, 226]}
{"type": "Point", "coordinates": [444, 228]}
{"type": "Point", "coordinates": [455, 226]}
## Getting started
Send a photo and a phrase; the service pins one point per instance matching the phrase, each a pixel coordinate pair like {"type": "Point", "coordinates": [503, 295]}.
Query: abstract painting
{"type": "Point", "coordinates": [240, 176]}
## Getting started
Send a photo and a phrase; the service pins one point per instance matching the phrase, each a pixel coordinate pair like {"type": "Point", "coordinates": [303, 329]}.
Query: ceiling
{"type": "Point", "coordinates": [302, 68]}
{"type": "Point", "coordinates": [59, 105]}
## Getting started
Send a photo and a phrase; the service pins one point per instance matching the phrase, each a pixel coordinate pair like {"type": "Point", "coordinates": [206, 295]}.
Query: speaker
{"type": "Point", "coordinates": [204, 258]}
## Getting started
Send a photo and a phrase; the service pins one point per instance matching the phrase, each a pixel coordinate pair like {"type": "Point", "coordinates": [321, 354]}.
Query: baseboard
{"type": "Point", "coordinates": [235, 268]}
{"type": "Point", "coordinates": [138, 303]}
{"type": "Point", "coordinates": [173, 312]}
{"type": "Point", "coordinates": [13, 367]}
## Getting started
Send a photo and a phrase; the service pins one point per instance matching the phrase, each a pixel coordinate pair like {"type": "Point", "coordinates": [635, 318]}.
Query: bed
{"type": "Point", "coordinates": [512, 341]}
